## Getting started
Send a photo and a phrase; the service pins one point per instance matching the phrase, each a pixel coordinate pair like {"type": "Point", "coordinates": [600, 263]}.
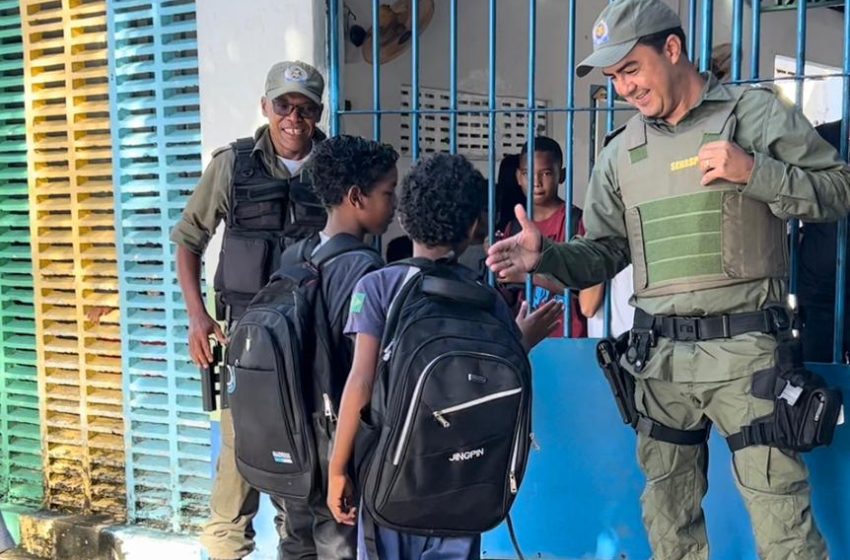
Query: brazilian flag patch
{"type": "Point", "coordinates": [357, 301]}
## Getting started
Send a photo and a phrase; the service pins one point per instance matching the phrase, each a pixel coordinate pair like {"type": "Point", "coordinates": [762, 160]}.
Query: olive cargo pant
{"type": "Point", "coordinates": [233, 504]}
{"type": "Point", "coordinates": [772, 482]}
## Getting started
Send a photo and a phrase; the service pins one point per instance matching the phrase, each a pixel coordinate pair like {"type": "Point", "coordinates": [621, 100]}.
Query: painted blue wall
{"type": "Point", "coordinates": [580, 497]}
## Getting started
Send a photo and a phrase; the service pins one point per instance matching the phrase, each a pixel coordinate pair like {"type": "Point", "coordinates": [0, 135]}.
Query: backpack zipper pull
{"type": "Point", "coordinates": [329, 409]}
{"type": "Point", "coordinates": [441, 419]}
{"type": "Point", "coordinates": [512, 478]}
{"type": "Point", "coordinates": [388, 351]}
{"type": "Point", "coordinates": [534, 445]}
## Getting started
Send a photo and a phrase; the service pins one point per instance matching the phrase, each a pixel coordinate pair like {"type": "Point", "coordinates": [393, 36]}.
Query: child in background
{"type": "Point", "coordinates": [550, 215]}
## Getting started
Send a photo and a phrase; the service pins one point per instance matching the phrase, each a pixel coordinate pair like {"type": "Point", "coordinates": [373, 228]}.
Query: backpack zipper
{"type": "Point", "coordinates": [408, 420]}
{"type": "Point", "coordinates": [440, 414]}
{"type": "Point", "coordinates": [512, 473]}
{"type": "Point", "coordinates": [388, 351]}
{"type": "Point", "coordinates": [329, 408]}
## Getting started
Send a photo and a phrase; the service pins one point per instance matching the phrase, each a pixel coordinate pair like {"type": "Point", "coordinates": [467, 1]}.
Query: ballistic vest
{"type": "Point", "coordinates": [684, 236]}
{"type": "Point", "coordinates": [266, 215]}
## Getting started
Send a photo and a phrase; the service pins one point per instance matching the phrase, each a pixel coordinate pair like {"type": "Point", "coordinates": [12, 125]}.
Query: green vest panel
{"type": "Point", "coordinates": [684, 236]}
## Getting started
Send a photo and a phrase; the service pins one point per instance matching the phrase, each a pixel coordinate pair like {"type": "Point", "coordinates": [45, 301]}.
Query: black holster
{"type": "Point", "coordinates": [608, 353]}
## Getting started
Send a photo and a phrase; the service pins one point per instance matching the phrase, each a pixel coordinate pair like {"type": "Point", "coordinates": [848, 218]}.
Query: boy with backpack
{"type": "Point", "coordinates": [442, 446]}
{"type": "Point", "coordinates": [288, 358]}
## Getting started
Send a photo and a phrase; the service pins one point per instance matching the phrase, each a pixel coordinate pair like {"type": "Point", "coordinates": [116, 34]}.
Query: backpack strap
{"type": "Point", "coordinates": [455, 290]}
{"type": "Point", "coordinates": [440, 280]}
{"type": "Point", "coordinates": [426, 264]}
{"type": "Point", "coordinates": [437, 279]}
{"type": "Point", "coordinates": [370, 531]}
{"type": "Point", "coordinates": [334, 247]}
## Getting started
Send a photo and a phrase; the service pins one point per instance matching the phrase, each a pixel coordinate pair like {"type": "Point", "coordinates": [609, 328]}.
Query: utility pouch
{"type": "Point", "coordinates": [806, 410]}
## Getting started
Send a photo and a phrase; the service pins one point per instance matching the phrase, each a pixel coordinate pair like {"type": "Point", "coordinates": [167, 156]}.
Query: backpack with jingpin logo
{"type": "Point", "coordinates": [443, 448]}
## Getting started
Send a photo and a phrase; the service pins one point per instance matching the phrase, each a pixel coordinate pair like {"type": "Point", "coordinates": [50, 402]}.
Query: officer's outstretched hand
{"type": "Point", "coordinates": [200, 328]}
{"type": "Point", "coordinates": [519, 253]}
{"type": "Point", "coordinates": [725, 160]}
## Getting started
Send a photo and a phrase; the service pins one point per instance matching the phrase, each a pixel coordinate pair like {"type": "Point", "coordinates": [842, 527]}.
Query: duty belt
{"type": "Point", "coordinates": [770, 320]}
{"type": "Point", "coordinates": [648, 328]}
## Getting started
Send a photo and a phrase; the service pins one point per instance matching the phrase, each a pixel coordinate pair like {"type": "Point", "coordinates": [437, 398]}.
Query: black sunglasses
{"type": "Point", "coordinates": [305, 111]}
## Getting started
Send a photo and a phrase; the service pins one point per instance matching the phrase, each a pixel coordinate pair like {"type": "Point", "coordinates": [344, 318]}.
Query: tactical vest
{"type": "Point", "coordinates": [684, 236]}
{"type": "Point", "coordinates": [266, 215]}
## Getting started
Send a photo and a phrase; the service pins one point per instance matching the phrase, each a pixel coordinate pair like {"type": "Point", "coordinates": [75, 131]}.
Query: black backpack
{"type": "Point", "coordinates": [443, 448]}
{"type": "Point", "coordinates": [278, 369]}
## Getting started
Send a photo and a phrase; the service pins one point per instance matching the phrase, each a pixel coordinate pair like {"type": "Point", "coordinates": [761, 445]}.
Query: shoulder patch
{"type": "Point", "coordinates": [613, 134]}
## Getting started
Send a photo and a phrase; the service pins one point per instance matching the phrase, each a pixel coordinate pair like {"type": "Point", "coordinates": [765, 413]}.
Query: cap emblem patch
{"type": "Point", "coordinates": [295, 73]}
{"type": "Point", "coordinates": [600, 33]}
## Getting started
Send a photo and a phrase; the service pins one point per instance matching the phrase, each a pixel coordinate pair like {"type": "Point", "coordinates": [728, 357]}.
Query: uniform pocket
{"type": "Point", "coordinates": [268, 215]}
{"type": "Point", "coordinates": [753, 243]}
{"type": "Point", "coordinates": [245, 264]}
{"type": "Point", "coordinates": [769, 470]}
{"type": "Point", "coordinates": [305, 214]}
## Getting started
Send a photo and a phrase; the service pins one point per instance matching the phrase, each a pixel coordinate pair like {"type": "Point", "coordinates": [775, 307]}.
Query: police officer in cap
{"type": "Point", "coordinates": [255, 186]}
{"type": "Point", "coordinates": [694, 191]}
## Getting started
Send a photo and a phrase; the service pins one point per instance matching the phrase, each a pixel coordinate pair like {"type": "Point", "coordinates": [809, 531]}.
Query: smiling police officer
{"type": "Point", "coordinates": [694, 191]}
{"type": "Point", "coordinates": [255, 186]}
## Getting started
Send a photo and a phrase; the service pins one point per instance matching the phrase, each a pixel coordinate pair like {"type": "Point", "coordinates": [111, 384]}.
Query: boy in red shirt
{"type": "Point", "coordinates": [550, 214]}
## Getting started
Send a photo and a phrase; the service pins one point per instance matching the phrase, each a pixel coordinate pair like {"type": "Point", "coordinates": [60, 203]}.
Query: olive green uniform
{"type": "Point", "coordinates": [233, 503]}
{"type": "Point", "coordinates": [210, 202]}
{"type": "Point", "coordinates": [687, 384]}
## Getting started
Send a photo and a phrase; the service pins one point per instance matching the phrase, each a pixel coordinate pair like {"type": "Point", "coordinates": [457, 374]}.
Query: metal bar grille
{"type": "Point", "coordinates": [157, 162]}
{"type": "Point", "coordinates": [698, 18]}
{"type": "Point", "coordinates": [20, 439]}
{"type": "Point", "coordinates": [74, 257]}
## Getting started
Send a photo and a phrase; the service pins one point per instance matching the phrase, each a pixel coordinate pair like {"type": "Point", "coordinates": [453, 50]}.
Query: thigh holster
{"type": "Point", "coordinates": [608, 353]}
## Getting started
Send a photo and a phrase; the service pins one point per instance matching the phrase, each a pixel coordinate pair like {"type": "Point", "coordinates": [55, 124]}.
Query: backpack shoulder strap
{"type": "Point", "coordinates": [336, 246]}
{"type": "Point", "coordinates": [394, 311]}
{"type": "Point", "coordinates": [427, 265]}
{"type": "Point", "coordinates": [459, 291]}
{"type": "Point", "coordinates": [418, 262]}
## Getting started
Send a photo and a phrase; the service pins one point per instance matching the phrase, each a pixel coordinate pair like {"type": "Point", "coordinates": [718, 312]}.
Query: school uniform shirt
{"type": "Point", "coordinates": [622, 313]}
